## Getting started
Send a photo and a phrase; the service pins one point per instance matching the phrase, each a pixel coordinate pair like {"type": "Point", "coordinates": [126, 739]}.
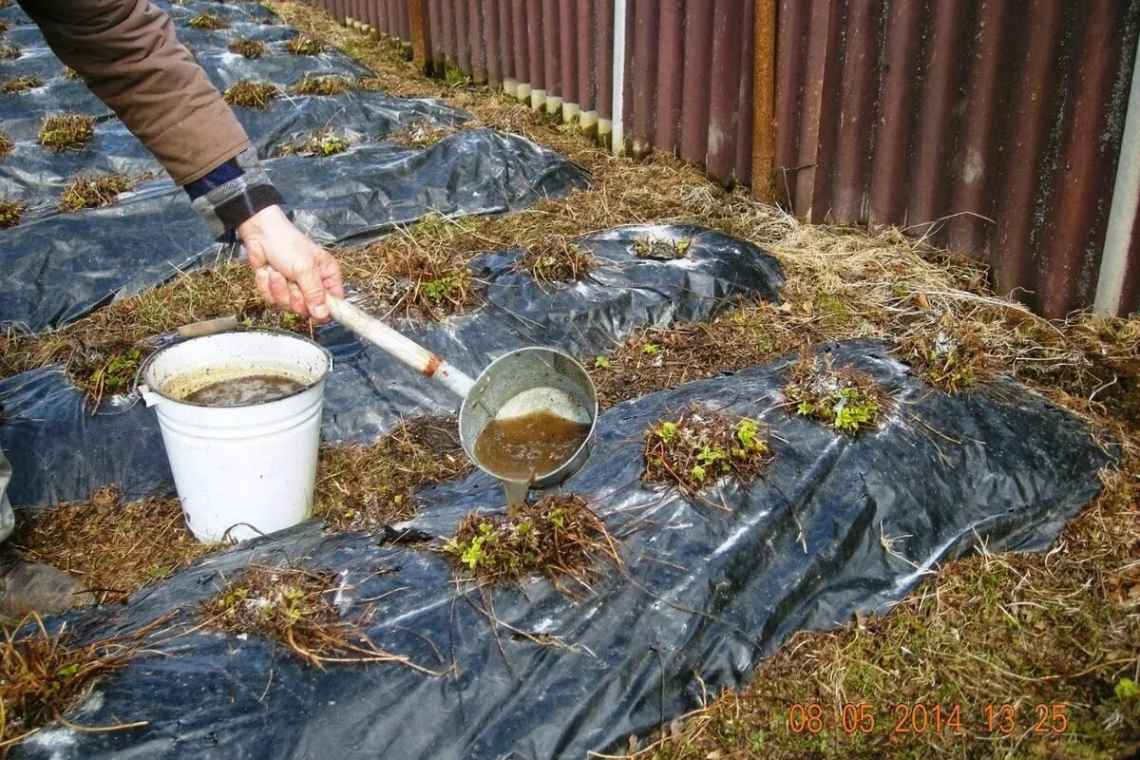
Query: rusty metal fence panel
{"type": "Point", "coordinates": [688, 69]}
{"type": "Point", "coordinates": [991, 127]}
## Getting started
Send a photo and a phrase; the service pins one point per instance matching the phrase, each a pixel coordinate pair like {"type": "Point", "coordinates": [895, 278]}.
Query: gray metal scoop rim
{"type": "Point", "coordinates": [573, 462]}
{"type": "Point", "coordinates": [439, 369]}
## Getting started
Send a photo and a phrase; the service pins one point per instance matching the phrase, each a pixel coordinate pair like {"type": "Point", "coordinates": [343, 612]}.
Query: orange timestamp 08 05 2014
{"type": "Point", "coordinates": [920, 718]}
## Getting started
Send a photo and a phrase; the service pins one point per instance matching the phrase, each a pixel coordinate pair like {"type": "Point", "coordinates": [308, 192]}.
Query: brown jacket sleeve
{"type": "Point", "coordinates": [127, 53]}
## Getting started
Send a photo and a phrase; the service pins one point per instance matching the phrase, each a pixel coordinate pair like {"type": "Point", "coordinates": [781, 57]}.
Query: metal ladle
{"type": "Point", "coordinates": [524, 381]}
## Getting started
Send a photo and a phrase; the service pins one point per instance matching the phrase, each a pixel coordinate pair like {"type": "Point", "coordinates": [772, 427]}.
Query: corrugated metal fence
{"type": "Point", "coordinates": [558, 55]}
{"type": "Point", "coordinates": [992, 126]}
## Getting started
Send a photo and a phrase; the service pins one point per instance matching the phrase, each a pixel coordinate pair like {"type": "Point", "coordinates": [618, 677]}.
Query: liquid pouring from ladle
{"type": "Point", "coordinates": [534, 404]}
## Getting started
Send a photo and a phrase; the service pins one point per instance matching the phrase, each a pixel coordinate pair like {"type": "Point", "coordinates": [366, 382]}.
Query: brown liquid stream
{"type": "Point", "coordinates": [522, 448]}
{"type": "Point", "coordinates": [241, 391]}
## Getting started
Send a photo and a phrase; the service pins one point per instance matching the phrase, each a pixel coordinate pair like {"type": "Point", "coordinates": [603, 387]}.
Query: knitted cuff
{"type": "Point", "coordinates": [232, 193]}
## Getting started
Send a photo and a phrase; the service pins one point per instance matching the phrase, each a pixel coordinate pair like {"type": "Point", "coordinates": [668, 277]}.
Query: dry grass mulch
{"type": "Point", "coordinates": [417, 276]}
{"type": "Point", "coordinates": [304, 44]}
{"type": "Point", "coordinates": [322, 85]}
{"type": "Point", "coordinates": [366, 487]}
{"type": "Point", "coordinates": [293, 606]}
{"type": "Point", "coordinates": [11, 212]}
{"type": "Point", "coordinates": [17, 85]}
{"type": "Point", "coordinates": [557, 259]}
{"type": "Point", "coordinates": [559, 538]}
{"type": "Point", "coordinates": [68, 131]}
{"type": "Point", "coordinates": [208, 21]}
{"type": "Point", "coordinates": [94, 191]}
{"type": "Point", "coordinates": [248, 48]}
{"type": "Point", "coordinates": [44, 675]}
{"type": "Point", "coordinates": [250, 94]}
{"type": "Point", "coordinates": [112, 547]}
{"type": "Point", "coordinates": [102, 351]}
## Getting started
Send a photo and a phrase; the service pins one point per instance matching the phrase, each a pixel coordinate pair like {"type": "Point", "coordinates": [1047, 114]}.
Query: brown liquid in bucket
{"type": "Point", "coordinates": [241, 391]}
{"type": "Point", "coordinates": [530, 446]}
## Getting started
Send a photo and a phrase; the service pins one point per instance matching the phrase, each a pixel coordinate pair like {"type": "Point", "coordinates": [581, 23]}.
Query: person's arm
{"type": "Point", "coordinates": [127, 53]}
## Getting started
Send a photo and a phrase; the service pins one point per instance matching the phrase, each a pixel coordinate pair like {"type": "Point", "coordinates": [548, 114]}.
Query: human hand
{"type": "Point", "coordinates": [290, 270]}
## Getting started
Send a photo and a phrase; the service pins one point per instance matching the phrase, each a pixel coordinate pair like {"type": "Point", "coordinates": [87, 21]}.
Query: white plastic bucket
{"type": "Point", "coordinates": [240, 471]}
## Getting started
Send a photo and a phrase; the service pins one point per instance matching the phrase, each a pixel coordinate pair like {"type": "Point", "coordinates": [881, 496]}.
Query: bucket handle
{"type": "Point", "coordinates": [400, 346]}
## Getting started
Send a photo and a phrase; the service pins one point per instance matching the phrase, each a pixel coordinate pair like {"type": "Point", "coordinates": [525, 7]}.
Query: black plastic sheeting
{"type": "Point", "coordinates": [35, 175]}
{"type": "Point", "coordinates": [56, 267]}
{"type": "Point", "coordinates": [60, 451]}
{"type": "Point", "coordinates": [706, 592]}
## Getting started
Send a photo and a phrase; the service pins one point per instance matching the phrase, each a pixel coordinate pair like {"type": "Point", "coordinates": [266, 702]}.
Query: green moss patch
{"type": "Point", "coordinates": [17, 85]}
{"type": "Point", "coordinates": [844, 399]}
{"type": "Point", "coordinates": [6, 145]}
{"type": "Point", "coordinates": [69, 131]}
{"type": "Point", "coordinates": [559, 538]}
{"type": "Point", "coordinates": [557, 259]}
{"type": "Point", "coordinates": [9, 52]}
{"type": "Point", "coordinates": [661, 250]}
{"type": "Point", "coordinates": [250, 94]}
{"type": "Point", "coordinates": [700, 447]}
{"type": "Point", "coordinates": [322, 85]}
{"type": "Point", "coordinates": [247, 48]}
{"type": "Point", "coordinates": [93, 191]}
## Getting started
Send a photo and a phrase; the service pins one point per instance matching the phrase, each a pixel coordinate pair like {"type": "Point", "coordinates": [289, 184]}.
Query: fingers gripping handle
{"type": "Point", "coordinates": [403, 348]}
